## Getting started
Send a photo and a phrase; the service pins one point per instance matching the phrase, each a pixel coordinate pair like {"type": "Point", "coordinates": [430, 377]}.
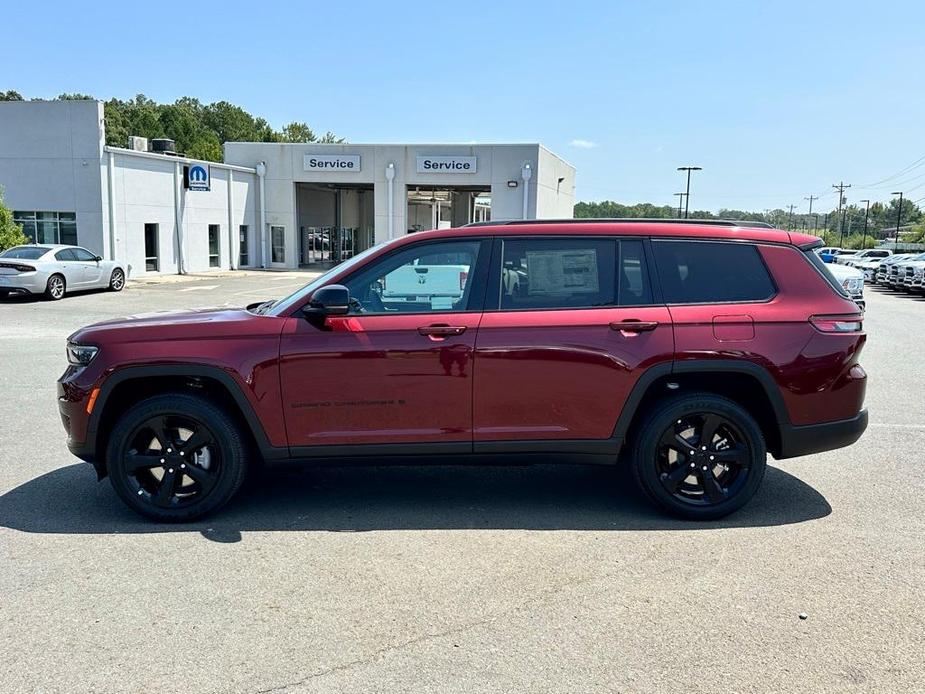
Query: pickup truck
{"type": "Point", "coordinates": [431, 281]}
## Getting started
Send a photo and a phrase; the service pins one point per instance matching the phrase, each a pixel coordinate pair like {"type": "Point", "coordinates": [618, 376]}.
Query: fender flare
{"type": "Point", "coordinates": [128, 373]}
{"type": "Point", "coordinates": [700, 366]}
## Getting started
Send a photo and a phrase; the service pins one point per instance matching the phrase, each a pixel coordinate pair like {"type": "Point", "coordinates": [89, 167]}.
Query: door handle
{"type": "Point", "coordinates": [442, 330]}
{"type": "Point", "coordinates": [634, 326]}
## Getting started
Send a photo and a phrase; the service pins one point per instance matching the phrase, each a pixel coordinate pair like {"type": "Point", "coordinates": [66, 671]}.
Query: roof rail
{"type": "Point", "coordinates": [628, 220]}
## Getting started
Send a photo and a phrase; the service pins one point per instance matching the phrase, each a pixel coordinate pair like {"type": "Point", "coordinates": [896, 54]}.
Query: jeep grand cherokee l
{"type": "Point", "coordinates": [686, 351]}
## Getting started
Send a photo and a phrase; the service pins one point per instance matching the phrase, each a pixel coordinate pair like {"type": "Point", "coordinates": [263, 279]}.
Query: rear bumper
{"type": "Point", "coordinates": [29, 283]}
{"type": "Point", "coordinates": [815, 438]}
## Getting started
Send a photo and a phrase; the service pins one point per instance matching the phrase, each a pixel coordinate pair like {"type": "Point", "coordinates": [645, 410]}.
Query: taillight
{"type": "Point", "coordinates": [851, 323]}
{"type": "Point", "coordinates": [463, 276]}
{"type": "Point", "coordinates": [20, 268]}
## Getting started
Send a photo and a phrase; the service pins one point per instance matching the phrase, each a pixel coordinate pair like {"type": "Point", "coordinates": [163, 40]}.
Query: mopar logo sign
{"type": "Point", "coordinates": [197, 176]}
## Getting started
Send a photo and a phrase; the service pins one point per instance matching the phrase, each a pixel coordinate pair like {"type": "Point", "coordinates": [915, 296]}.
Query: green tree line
{"type": "Point", "coordinates": [198, 129]}
{"type": "Point", "coordinates": [846, 230]}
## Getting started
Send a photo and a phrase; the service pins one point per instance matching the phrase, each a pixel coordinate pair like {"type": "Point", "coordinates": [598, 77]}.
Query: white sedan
{"type": "Point", "coordinates": [54, 270]}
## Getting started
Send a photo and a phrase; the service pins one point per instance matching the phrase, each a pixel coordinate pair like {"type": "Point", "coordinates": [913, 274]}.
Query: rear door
{"type": "Point", "coordinates": [573, 323]}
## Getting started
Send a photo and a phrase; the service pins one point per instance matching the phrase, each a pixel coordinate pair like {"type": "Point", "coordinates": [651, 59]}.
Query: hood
{"type": "Point", "coordinates": [844, 272]}
{"type": "Point", "coordinates": [201, 322]}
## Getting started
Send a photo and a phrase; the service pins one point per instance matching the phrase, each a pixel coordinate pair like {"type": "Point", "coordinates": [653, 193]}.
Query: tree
{"type": "Point", "coordinates": [298, 132]}
{"type": "Point", "coordinates": [10, 95]}
{"type": "Point", "coordinates": [10, 232]}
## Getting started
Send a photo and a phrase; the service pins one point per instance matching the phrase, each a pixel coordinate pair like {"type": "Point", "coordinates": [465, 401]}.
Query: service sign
{"type": "Point", "coordinates": [331, 162]}
{"type": "Point", "coordinates": [444, 164]}
{"type": "Point", "coordinates": [198, 177]}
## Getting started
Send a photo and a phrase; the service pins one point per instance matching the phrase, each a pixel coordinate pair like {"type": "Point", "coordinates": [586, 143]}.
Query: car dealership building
{"type": "Point", "coordinates": [267, 205]}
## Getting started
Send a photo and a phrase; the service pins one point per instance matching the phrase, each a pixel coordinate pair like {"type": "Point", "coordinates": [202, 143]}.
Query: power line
{"type": "Point", "coordinates": [918, 162]}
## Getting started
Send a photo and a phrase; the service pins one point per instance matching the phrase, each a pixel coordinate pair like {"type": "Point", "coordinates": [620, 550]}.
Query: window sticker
{"type": "Point", "coordinates": [562, 272]}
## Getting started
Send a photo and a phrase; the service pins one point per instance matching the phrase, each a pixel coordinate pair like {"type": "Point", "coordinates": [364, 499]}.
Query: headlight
{"type": "Point", "coordinates": [80, 355]}
{"type": "Point", "coordinates": [853, 284]}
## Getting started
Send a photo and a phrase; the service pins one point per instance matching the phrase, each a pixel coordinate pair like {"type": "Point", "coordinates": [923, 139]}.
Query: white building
{"type": "Point", "coordinates": [269, 205]}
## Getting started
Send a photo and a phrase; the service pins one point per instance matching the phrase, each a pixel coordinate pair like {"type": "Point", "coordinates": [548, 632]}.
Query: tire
{"type": "Point", "coordinates": [55, 288]}
{"type": "Point", "coordinates": [153, 431]}
{"type": "Point", "coordinates": [117, 280]}
{"type": "Point", "coordinates": [735, 457]}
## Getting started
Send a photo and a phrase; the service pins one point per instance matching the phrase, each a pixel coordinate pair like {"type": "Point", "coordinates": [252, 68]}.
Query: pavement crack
{"type": "Point", "coordinates": [424, 638]}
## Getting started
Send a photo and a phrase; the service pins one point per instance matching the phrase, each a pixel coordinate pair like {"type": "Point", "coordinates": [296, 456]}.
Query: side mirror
{"type": "Point", "coordinates": [99, 258]}
{"type": "Point", "coordinates": [332, 300]}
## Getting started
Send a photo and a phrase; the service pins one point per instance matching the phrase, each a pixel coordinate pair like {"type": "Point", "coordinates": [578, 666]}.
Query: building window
{"type": "Point", "coordinates": [278, 243]}
{"type": "Point", "coordinates": [48, 227]}
{"type": "Point", "coordinates": [152, 263]}
{"type": "Point", "coordinates": [213, 245]}
{"type": "Point", "coordinates": [243, 259]}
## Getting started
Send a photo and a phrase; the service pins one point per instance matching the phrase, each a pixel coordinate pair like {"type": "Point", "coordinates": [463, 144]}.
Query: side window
{"type": "Point", "coordinates": [538, 273]}
{"type": "Point", "coordinates": [83, 255]}
{"type": "Point", "coordinates": [426, 278]}
{"type": "Point", "coordinates": [66, 255]}
{"type": "Point", "coordinates": [703, 272]}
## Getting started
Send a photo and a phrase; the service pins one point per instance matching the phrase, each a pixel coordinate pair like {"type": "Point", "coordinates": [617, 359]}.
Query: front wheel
{"type": "Point", "coordinates": [117, 280]}
{"type": "Point", "coordinates": [176, 457]}
{"type": "Point", "coordinates": [700, 456]}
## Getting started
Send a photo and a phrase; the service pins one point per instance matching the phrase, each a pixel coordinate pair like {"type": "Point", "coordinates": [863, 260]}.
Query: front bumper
{"type": "Point", "coordinates": [815, 438]}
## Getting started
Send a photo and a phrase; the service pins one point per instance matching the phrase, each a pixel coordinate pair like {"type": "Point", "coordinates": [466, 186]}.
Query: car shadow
{"type": "Point", "coordinates": [357, 499]}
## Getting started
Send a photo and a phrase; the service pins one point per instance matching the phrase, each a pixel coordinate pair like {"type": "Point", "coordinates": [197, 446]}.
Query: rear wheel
{"type": "Point", "coordinates": [700, 456]}
{"type": "Point", "coordinates": [176, 457]}
{"type": "Point", "coordinates": [55, 287]}
{"type": "Point", "coordinates": [117, 280]}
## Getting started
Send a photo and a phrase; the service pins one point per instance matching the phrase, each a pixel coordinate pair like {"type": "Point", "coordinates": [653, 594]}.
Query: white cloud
{"type": "Point", "coordinates": [583, 144]}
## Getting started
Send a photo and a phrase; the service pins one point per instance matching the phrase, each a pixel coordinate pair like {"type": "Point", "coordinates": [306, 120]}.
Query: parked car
{"type": "Point", "coordinates": [851, 279]}
{"type": "Point", "coordinates": [869, 268]}
{"type": "Point", "coordinates": [852, 259]}
{"type": "Point", "coordinates": [895, 278]}
{"type": "Point", "coordinates": [684, 350]}
{"type": "Point", "coordinates": [55, 270]}
{"type": "Point", "coordinates": [883, 270]}
{"type": "Point", "coordinates": [828, 253]}
{"type": "Point", "coordinates": [914, 276]}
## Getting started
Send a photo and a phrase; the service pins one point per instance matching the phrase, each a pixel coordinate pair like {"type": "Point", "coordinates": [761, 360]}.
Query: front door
{"type": "Point", "coordinates": [573, 328]}
{"type": "Point", "coordinates": [91, 272]}
{"type": "Point", "coordinates": [398, 369]}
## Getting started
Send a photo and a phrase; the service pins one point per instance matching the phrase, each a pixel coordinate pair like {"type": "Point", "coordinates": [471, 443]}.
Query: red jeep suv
{"type": "Point", "coordinates": [687, 351]}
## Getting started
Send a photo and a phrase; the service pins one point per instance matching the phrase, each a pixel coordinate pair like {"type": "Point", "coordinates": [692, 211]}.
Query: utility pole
{"type": "Point", "coordinates": [680, 200]}
{"type": "Point", "coordinates": [790, 219]}
{"type": "Point", "coordinates": [687, 194]}
{"type": "Point", "coordinates": [899, 216]}
{"type": "Point", "coordinates": [811, 198]}
{"type": "Point", "coordinates": [841, 187]}
{"type": "Point", "coordinates": [866, 215]}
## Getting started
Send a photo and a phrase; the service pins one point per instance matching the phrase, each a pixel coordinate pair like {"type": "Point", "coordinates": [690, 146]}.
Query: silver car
{"type": "Point", "coordinates": [54, 270]}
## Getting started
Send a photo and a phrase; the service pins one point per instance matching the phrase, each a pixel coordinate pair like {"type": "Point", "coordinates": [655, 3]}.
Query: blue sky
{"type": "Point", "coordinates": [776, 100]}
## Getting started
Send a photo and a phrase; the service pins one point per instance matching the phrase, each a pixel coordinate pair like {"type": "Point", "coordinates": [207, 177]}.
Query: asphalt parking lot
{"type": "Point", "coordinates": [478, 579]}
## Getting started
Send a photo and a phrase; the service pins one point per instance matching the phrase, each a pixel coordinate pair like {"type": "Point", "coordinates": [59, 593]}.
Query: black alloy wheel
{"type": "Point", "coordinates": [702, 459]}
{"type": "Point", "coordinates": [176, 457]}
{"type": "Point", "coordinates": [172, 461]}
{"type": "Point", "coordinates": [700, 456]}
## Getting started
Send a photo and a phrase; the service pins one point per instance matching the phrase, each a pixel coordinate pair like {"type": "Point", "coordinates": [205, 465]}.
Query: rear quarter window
{"type": "Point", "coordinates": [706, 272]}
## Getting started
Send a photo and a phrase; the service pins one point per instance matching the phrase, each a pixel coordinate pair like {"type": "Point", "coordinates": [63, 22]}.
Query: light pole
{"type": "Point", "coordinates": [680, 199]}
{"type": "Point", "coordinates": [687, 193]}
{"type": "Point", "coordinates": [866, 215]}
{"type": "Point", "coordinates": [899, 216]}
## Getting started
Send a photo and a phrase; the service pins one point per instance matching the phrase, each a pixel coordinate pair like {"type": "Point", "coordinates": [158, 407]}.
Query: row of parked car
{"type": "Point", "coordinates": [902, 271]}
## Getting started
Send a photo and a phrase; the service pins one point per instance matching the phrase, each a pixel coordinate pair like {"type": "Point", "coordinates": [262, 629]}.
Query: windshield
{"type": "Point", "coordinates": [281, 306]}
{"type": "Point", "coordinates": [24, 252]}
